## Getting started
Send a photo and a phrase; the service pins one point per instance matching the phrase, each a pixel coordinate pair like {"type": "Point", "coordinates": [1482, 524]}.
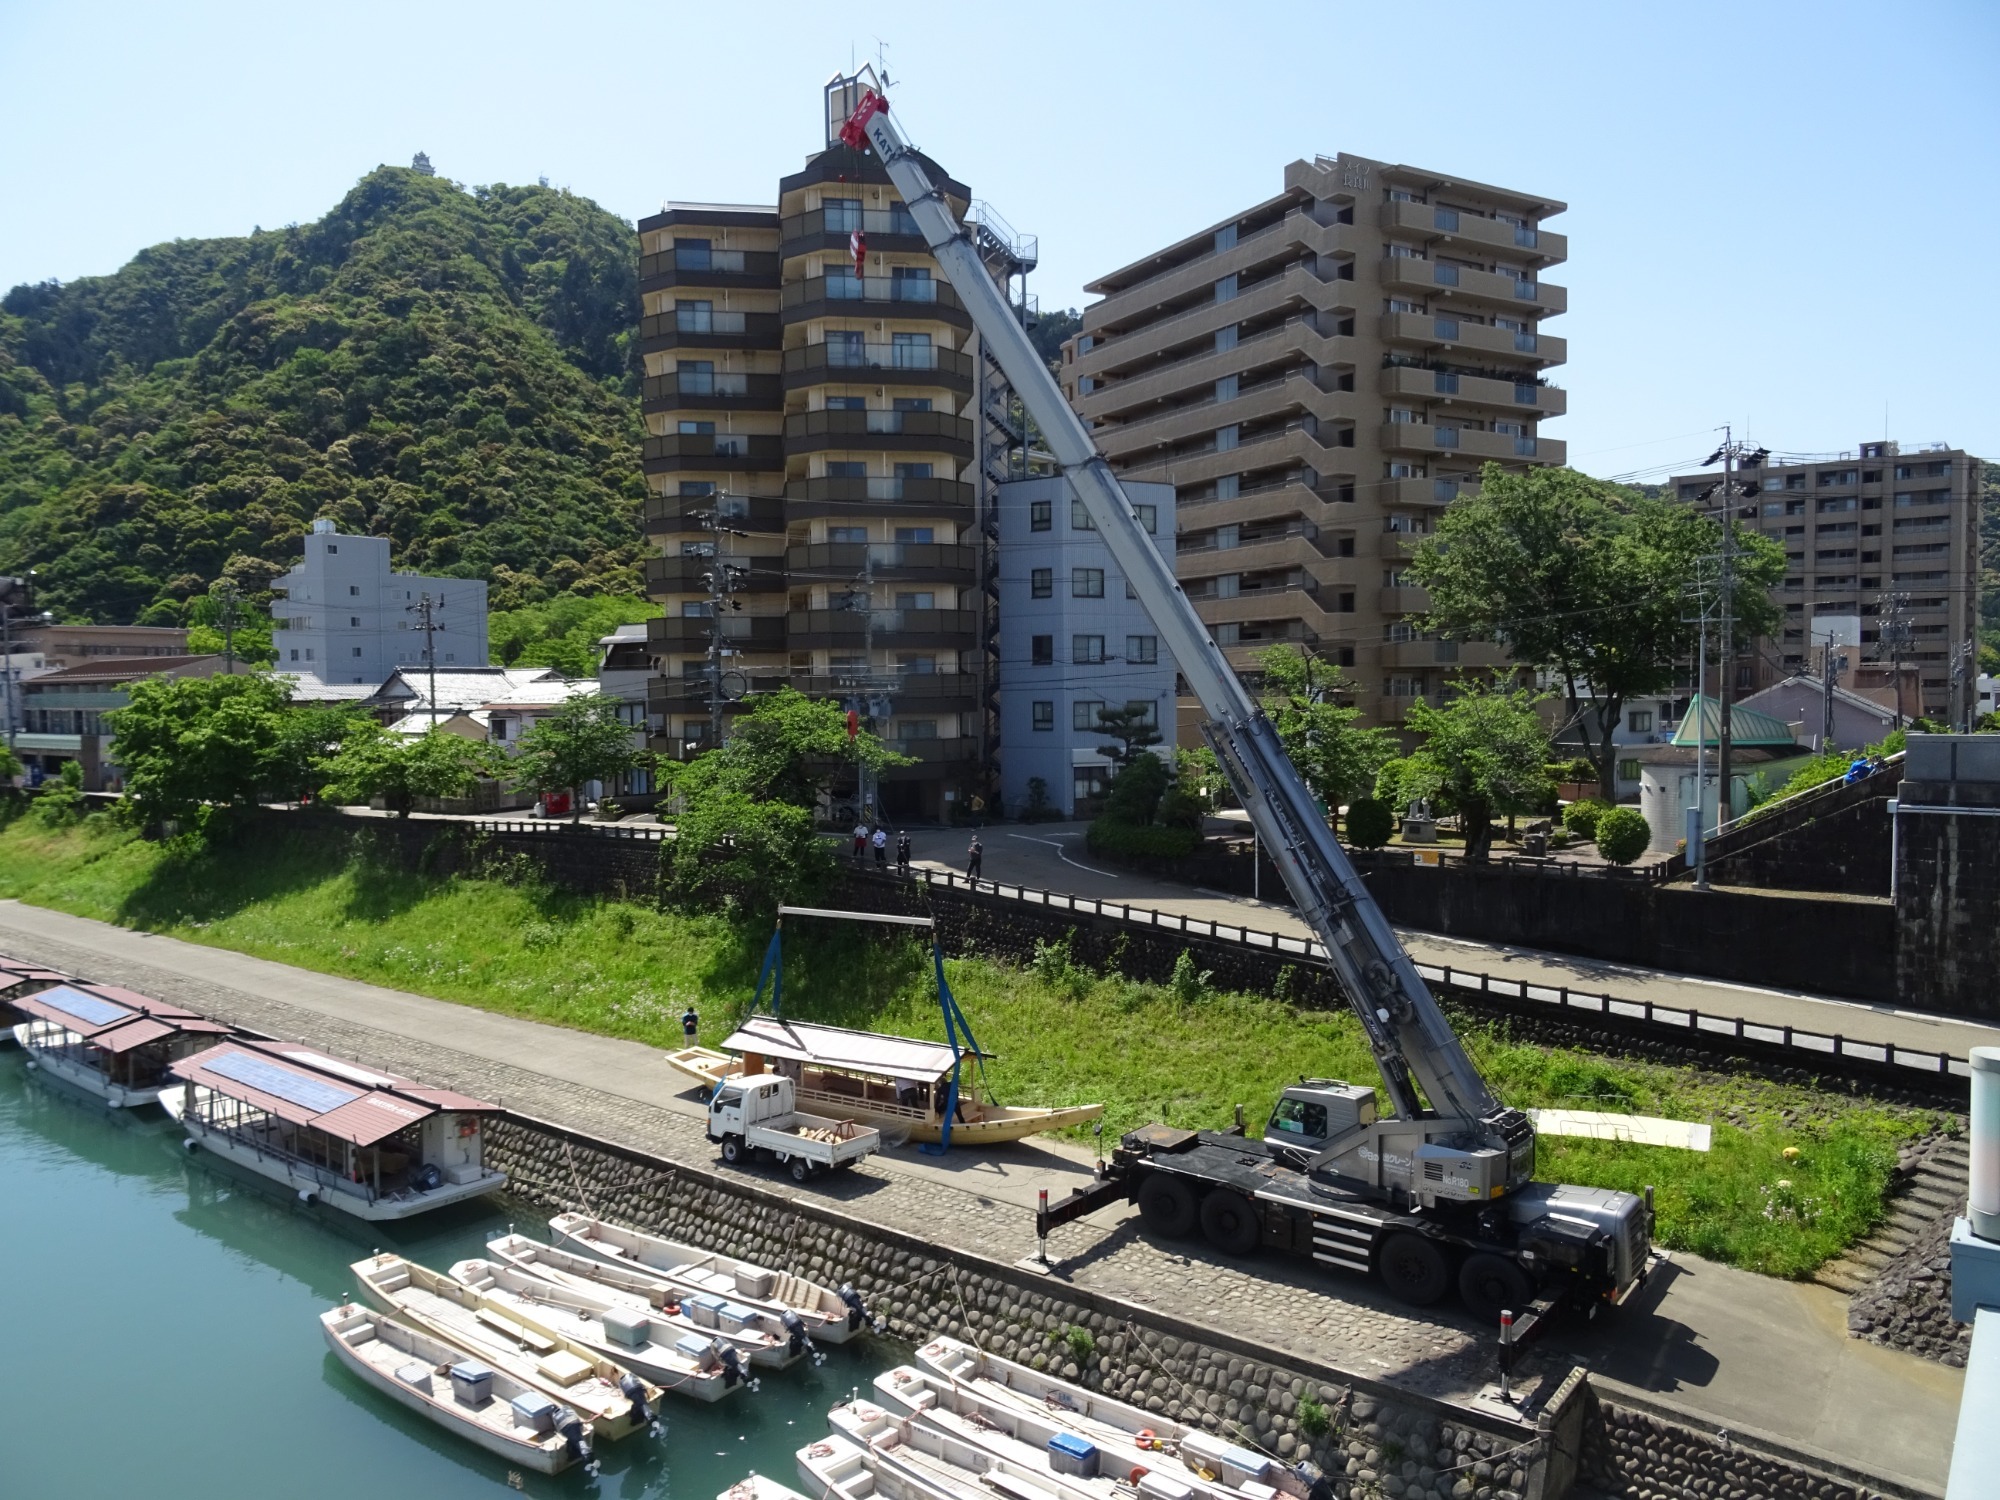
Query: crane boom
{"type": "Point", "coordinates": [1414, 1046]}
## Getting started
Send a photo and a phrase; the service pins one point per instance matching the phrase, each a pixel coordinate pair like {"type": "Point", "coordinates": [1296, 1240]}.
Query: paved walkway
{"type": "Point", "coordinates": [1739, 1349]}
{"type": "Point", "coordinates": [1052, 857]}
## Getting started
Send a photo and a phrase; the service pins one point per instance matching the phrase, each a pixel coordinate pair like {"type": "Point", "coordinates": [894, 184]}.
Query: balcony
{"type": "Point", "coordinates": [1396, 546]}
{"type": "Point", "coordinates": [1422, 278]}
{"type": "Point", "coordinates": [667, 515]}
{"type": "Point", "coordinates": [945, 499]}
{"type": "Point", "coordinates": [709, 451]}
{"type": "Point", "coordinates": [1458, 655]}
{"type": "Point", "coordinates": [932, 751]}
{"type": "Point", "coordinates": [890, 561]}
{"type": "Point", "coordinates": [880, 431]}
{"type": "Point", "coordinates": [688, 328]}
{"type": "Point", "coordinates": [1445, 332]}
{"type": "Point", "coordinates": [688, 575]}
{"type": "Point", "coordinates": [1451, 227]}
{"type": "Point", "coordinates": [1403, 601]}
{"type": "Point", "coordinates": [922, 365]}
{"type": "Point", "coordinates": [858, 630]}
{"type": "Point", "coordinates": [1449, 388]}
{"type": "Point", "coordinates": [1395, 493]}
{"type": "Point", "coordinates": [1424, 437]}
{"type": "Point", "coordinates": [702, 390]}
{"type": "Point", "coordinates": [887, 229]}
{"type": "Point", "coordinates": [909, 297]}
{"type": "Point", "coordinates": [708, 268]}
{"type": "Point", "coordinates": [913, 692]}
{"type": "Point", "coordinates": [690, 633]}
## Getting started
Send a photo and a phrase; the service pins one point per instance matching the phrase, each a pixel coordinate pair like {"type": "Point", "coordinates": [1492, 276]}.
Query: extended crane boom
{"type": "Point", "coordinates": [1414, 1045]}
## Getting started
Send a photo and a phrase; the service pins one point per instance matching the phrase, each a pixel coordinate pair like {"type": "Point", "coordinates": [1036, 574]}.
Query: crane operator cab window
{"type": "Point", "coordinates": [1298, 1122]}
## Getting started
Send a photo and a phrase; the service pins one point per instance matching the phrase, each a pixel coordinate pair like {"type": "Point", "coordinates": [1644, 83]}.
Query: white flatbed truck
{"type": "Point", "coordinates": [754, 1117]}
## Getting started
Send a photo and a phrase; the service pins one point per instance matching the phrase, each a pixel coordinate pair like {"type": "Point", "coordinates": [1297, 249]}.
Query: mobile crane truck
{"type": "Point", "coordinates": [1439, 1190]}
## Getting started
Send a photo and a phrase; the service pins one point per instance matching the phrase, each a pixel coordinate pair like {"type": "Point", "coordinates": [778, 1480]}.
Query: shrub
{"type": "Point", "coordinates": [1369, 823]}
{"type": "Point", "coordinates": [1313, 1417]}
{"type": "Point", "coordinates": [61, 801]}
{"type": "Point", "coordinates": [1082, 1343]}
{"type": "Point", "coordinates": [1142, 841]}
{"type": "Point", "coordinates": [1580, 818]}
{"type": "Point", "coordinates": [1056, 966]}
{"type": "Point", "coordinates": [1189, 984]}
{"type": "Point", "coordinates": [1622, 834]}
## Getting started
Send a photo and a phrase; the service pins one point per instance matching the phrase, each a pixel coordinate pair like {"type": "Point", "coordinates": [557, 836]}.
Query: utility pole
{"type": "Point", "coordinates": [427, 610]}
{"type": "Point", "coordinates": [1730, 452]}
{"type": "Point", "coordinates": [1830, 664]}
{"type": "Point", "coordinates": [1896, 641]}
{"type": "Point", "coordinates": [227, 598]}
{"type": "Point", "coordinates": [1695, 817]}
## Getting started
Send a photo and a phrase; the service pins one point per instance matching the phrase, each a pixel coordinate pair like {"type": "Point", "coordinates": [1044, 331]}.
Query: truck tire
{"type": "Point", "coordinates": [1413, 1269]}
{"type": "Point", "coordinates": [1167, 1205]}
{"type": "Point", "coordinates": [732, 1150]}
{"type": "Point", "coordinates": [1489, 1283]}
{"type": "Point", "coordinates": [801, 1169]}
{"type": "Point", "coordinates": [1229, 1222]}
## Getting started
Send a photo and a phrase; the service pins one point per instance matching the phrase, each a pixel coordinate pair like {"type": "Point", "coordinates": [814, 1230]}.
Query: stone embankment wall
{"type": "Point", "coordinates": [1834, 838]}
{"type": "Point", "coordinates": [1637, 1456]}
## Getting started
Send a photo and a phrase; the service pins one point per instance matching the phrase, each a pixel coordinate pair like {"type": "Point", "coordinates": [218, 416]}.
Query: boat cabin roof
{"type": "Point", "coordinates": [842, 1050]}
{"type": "Point", "coordinates": [113, 1018]}
{"type": "Point", "coordinates": [324, 1093]}
{"type": "Point", "coordinates": [15, 973]}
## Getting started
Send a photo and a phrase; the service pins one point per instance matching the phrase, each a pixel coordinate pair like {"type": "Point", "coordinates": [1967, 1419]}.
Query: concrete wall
{"type": "Point", "coordinates": [1948, 874]}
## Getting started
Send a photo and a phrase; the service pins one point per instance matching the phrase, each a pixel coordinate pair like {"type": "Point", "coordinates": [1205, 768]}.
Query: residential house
{"type": "Point", "coordinates": [624, 668]}
{"type": "Point", "coordinates": [63, 712]}
{"type": "Point", "coordinates": [1801, 703]}
{"type": "Point", "coordinates": [1763, 748]}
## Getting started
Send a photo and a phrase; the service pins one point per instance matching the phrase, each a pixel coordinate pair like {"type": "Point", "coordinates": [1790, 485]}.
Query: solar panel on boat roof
{"type": "Point", "coordinates": [315, 1094]}
{"type": "Point", "coordinates": [92, 1008]}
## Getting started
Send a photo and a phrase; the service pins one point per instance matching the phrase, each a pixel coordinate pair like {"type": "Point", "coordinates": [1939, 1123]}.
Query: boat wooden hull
{"type": "Point", "coordinates": [53, 1064]}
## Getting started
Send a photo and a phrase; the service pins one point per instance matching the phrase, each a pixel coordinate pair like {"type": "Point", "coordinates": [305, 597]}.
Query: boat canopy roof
{"type": "Point", "coordinates": [842, 1050]}
{"type": "Point", "coordinates": [112, 1018]}
{"type": "Point", "coordinates": [324, 1093]}
{"type": "Point", "coordinates": [16, 972]}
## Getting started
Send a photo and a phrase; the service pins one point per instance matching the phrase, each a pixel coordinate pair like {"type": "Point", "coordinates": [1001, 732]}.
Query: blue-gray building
{"type": "Point", "coordinates": [1072, 643]}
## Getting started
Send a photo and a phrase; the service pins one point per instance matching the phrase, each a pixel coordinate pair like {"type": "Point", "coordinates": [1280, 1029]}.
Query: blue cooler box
{"type": "Point", "coordinates": [1070, 1454]}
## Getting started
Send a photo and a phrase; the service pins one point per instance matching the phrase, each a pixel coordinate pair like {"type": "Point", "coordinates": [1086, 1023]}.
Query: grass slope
{"type": "Point", "coordinates": [1063, 1035]}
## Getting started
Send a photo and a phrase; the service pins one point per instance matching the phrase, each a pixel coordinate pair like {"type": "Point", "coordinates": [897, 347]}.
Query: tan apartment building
{"type": "Point", "coordinates": [1319, 376]}
{"type": "Point", "coordinates": [809, 391]}
{"type": "Point", "coordinates": [1881, 535]}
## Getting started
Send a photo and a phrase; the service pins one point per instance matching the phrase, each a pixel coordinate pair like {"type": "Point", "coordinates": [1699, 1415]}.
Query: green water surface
{"type": "Point", "coordinates": [159, 1338]}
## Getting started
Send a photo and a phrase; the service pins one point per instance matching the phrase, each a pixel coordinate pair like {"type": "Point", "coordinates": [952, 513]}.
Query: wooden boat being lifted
{"type": "Point", "coordinates": [893, 1083]}
{"type": "Point", "coordinates": [455, 1390]}
{"type": "Point", "coordinates": [616, 1402]}
{"type": "Point", "coordinates": [831, 1317]}
{"type": "Point", "coordinates": [113, 1043]}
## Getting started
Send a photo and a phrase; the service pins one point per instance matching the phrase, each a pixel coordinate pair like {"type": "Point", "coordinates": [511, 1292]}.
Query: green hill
{"type": "Point", "coordinates": [449, 368]}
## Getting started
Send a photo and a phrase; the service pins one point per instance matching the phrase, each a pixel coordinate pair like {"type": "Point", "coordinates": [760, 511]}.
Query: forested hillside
{"type": "Point", "coordinates": [450, 368]}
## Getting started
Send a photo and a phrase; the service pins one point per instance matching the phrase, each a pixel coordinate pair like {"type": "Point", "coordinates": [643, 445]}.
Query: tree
{"type": "Point", "coordinates": [585, 740]}
{"type": "Point", "coordinates": [193, 744]}
{"type": "Point", "coordinates": [789, 747]}
{"type": "Point", "coordinates": [223, 622]}
{"type": "Point", "coordinates": [1484, 752]}
{"type": "Point", "coordinates": [1588, 581]}
{"type": "Point", "coordinates": [309, 741]}
{"type": "Point", "coordinates": [1338, 758]}
{"type": "Point", "coordinates": [399, 768]}
{"type": "Point", "coordinates": [10, 764]}
{"type": "Point", "coordinates": [1622, 834]}
{"type": "Point", "coordinates": [1133, 727]}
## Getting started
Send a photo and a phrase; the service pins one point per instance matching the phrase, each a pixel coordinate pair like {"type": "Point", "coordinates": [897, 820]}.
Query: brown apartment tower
{"type": "Point", "coordinates": [812, 461]}
{"type": "Point", "coordinates": [1319, 376]}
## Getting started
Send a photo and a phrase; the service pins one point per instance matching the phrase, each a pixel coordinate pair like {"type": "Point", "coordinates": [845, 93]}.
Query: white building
{"type": "Point", "coordinates": [625, 671]}
{"type": "Point", "coordinates": [347, 618]}
{"type": "Point", "coordinates": [1072, 643]}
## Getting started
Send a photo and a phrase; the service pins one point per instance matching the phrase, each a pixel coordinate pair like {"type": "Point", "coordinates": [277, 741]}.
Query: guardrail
{"type": "Point", "coordinates": [639, 832]}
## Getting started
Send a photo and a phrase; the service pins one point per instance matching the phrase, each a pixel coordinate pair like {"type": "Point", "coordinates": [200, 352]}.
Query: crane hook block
{"type": "Point", "coordinates": [855, 132]}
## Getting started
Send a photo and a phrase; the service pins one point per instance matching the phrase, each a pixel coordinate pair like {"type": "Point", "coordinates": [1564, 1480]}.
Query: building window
{"type": "Point", "coordinates": [1086, 583]}
{"type": "Point", "coordinates": [499, 731]}
{"type": "Point", "coordinates": [355, 621]}
{"type": "Point", "coordinates": [1149, 711]}
{"type": "Point", "coordinates": [846, 468]}
{"type": "Point", "coordinates": [1639, 720]}
{"type": "Point", "coordinates": [1143, 650]}
{"type": "Point", "coordinates": [295, 653]}
{"type": "Point", "coordinates": [1042, 583]}
{"type": "Point", "coordinates": [1045, 715]}
{"type": "Point", "coordinates": [1087, 650]}
{"type": "Point", "coordinates": [923, 599]}
{"type": "Point", "coordinates": [309, 653]}
{"type": "Point", "coordinates": [1042, 650]}
{"type": "Point", "coordinates": [1628, 770]}
{"type": "Point", "coordinates": [354, 589]}
{"type": "Point", "coordinates": [331, 548]}
{"type": "Point", "coordinates": [918, 535]}
{"type": "Point", "coordinates": [357, 650]}
{"type": "Point", "coordinates": [1084, 713]}
{"type": "Point", "coordinates": [697, 489]}
{"type": "Point", "coordinates": [835, 534]}
{"type": "Point", "coordinates": [1079, 517]}
{"type": "Point", "coordinates": [1041, 515]}
{"type": "Point", "coordinates": [1149, 517]}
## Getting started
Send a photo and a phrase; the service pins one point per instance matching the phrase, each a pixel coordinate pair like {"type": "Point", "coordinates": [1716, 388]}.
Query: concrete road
{"type": "Point", "coordinates": [1742, 1350]}
{"type": "Point", "coordinates": [1052, 857]}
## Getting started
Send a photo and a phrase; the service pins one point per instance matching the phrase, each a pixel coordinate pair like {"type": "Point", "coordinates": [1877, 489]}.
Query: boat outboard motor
{"type": "Point", "coordinates": [428, 1178]}
{"type": "Point", "coordinates": [798, 1341]}
{"type": "Point", "coordinates": [569, 1426]}
{"type": "Point", "coordinates": [1321, 1487]}
{"type": "Point", "coordinates": [732, 1365]}
{"type": "Point", "coordinates": [634, 1390]}
{"type": "Point", "coordinates": [857, 1310]}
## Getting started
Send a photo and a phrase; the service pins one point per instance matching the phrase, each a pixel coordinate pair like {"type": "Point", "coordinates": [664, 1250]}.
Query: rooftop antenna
{"type": "Point", "coordinates": [882, 62]}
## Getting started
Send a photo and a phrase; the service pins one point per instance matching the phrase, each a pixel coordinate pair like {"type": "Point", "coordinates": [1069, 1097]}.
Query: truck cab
{"type": "Point", "coordinates": [742, 1102]}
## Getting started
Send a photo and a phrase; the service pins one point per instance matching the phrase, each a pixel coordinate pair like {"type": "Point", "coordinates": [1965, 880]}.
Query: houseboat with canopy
{"type": "Point", "coordinates": [894, 1083]}
{"type": "Point", "coordinates": [370, 1144]}
{"type": "Point", "coordinates": [113, 1043]}
{"type": "Point", "coordinates": [20, 977]}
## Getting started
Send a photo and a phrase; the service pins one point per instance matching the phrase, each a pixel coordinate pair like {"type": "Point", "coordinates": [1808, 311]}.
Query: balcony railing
{"type": "Point", "coordinates": [690, 575]}
{"type": "Point", "coordinates": [887, 627]}
{"type": "Point", "coordinates": [711, 328]}
{"type": "Point", "coordinates": [894, 296]}
{"type": "Point", "coordinates": [743, 632]}
{"type": "Point", "coordinates": [713, 390]}
{"type": "Point", "coordinates": [663, 514]}
{"type": "Point", "coordinates": [687, 450]}
{"type": "Point", "coordinates": [683, 266]}
{"type": "Point", "coordinates": [923, 430]}
{"type": "Point", "coordinates": [841, 496]}
{"type": "Point", "coordinates": [909, 559]}
{"type": "Point", "coordinates": [907, 688]}
{"type": "Point", "coordinates": [876, 223]}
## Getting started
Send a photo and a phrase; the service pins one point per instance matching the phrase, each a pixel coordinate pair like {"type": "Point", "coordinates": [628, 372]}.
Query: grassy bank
{"type": "Point", "coordinates": [1064, 1035]}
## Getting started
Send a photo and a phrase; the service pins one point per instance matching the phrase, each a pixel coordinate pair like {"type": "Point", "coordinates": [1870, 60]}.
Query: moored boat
{"type": "Point", "coordinates": [837, 1468]}
{"type": "Point", "coordinates": [686, 1364]}
{"type": "Point", "coordinates": [762, 1338]}
{"type": "Point", "coordinates": [832, 1316]}
{"type": "Point", "coordinates": [447, 1386]}
{"type": "Point", "coordinates": [615, 1401]}
{"type": "Point", "coordinates": [755, 1486]}
{"type": "Point", "coordinates": [113, 1043]}
{"type": "Point", "coordinates": [942, 1461]}
{"type": "Point", "coordinates": [20, 978]}
{"type": "Point", "coordinates": [371, 1144]}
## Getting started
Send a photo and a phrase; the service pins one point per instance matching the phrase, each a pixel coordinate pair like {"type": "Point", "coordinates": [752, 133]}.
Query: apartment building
{"type": "Point", "coordinates": [811, 459]}
{"type": "Point", "coordinates": [345, 617]}
{"type": "Point", "coordinates": [1319, 376]}
{"type": "Point", "coordinates": [1881, 535]}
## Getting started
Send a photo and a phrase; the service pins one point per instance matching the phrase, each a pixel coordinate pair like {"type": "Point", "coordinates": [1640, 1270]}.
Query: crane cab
{"type": "Point", "coordinates": [1315, 1111]}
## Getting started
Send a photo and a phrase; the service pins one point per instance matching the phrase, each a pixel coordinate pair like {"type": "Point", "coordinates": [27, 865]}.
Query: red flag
{"type": "Point", "coordinates": [857, 245]}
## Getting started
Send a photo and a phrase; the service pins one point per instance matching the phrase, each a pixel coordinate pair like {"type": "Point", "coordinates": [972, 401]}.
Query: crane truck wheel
{"type": "Point", "coordinates": [1167, 1205]}
{"type": "Point", "coordinates": [732, 1150]}
{"type": "Point", "coordinates": [1413, 1269]}
{"type": "Point", "coordinates": [1229, 1223]}
{"type": "Point", "coordinates": [1489, 1284]}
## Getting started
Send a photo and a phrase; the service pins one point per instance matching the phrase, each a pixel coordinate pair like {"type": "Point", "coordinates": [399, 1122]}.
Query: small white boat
{"type": "Point", "coordinates": [831, 1316]}
{"type": "Point", "coordinates": [942, 1462]}
{"type": "Point", "coordinates": [616, 1402]}
{"type": "Point", "coordinates": [761, 1338]}
{"type": "Point", "coordinates": [837, 1468]}
{"type": "Point", "coordinates": [113, 1043]}
{"type": "Point", "coordinates": [693, 1365]}
{"type": "Point", "coordinates": [755, 1486]}
{"type": "Point", "coordinates": [456, 1391]}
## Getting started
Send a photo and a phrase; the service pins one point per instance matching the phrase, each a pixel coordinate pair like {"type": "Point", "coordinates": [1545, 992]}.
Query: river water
{"type": "Point", "coordinates": [159, 1337]}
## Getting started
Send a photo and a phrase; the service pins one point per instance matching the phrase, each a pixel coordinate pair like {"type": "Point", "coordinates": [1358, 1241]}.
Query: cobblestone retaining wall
{"type": "Point", "coordinates": [1633, 1455]}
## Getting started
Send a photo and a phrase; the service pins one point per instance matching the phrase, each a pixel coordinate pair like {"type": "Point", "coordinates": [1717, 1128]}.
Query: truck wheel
{"type": "Point", "coordinates": [1167, 1205]}
{"type": "Point", "coordinates": [1413, 1269]}
{"type": "Point", "coordinates": [1229, 1223]}
{"type": "Point", "coordinates": [801, 1169]}
{"type": "Point", "coordinates": [1490, 1283]}
{"type": "Point", "coordinates": [732, 1150]}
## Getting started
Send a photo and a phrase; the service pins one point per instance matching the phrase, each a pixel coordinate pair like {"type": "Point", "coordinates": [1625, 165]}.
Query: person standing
{"type": "Point", "coordinates": [902, 853]}
{"type": "Point", "coordinates": [973, 852]}
{"type": "Point", "coordinates": [860, 841]}
{"type": "Point", "coordinates": [881, 842]}
{"type": "Point", "coordinates": [690, 1024]}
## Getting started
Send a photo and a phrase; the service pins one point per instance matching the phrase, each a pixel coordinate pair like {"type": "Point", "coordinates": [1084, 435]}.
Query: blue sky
{"type": "Point", "coordinates": [1781, 215]}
